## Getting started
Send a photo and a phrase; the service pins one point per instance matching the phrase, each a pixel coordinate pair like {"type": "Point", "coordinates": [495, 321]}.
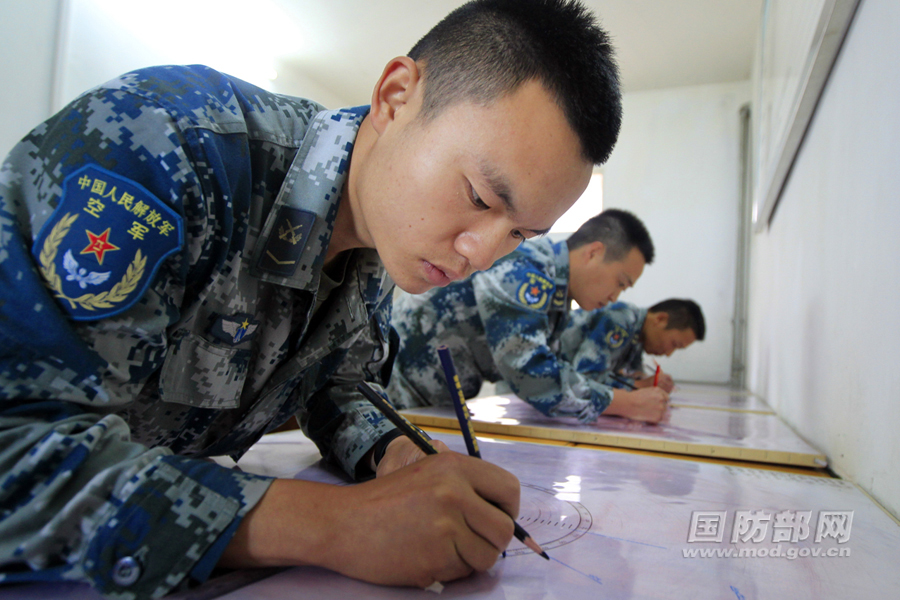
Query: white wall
{"type": "Point", "coordinates": [97, 42]}
{"type": "Point", "coordinates": [28, 31]}
{"type": "Point", "coordinates": [677, 167]}
{"type": "Point", "coordinates": [824, 325]}
{"type": "Point", "coordinates": [104, 38]}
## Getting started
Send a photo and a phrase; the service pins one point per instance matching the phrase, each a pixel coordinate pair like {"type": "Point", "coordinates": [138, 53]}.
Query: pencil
{"type": "Point", "coordinates": [623, 381]}
{"type": "Point", "coordinates": [421, 439]}
{"type": "Point", "coordinates": [459, 401]}
{"type": "Point", "coordinates": [468, 431]}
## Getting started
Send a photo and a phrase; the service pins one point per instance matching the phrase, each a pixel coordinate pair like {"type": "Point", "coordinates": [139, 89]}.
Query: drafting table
{"type": "Point", "coordinates": [747, 436]}
{"type": "Point", "coordinates": [617, 526]}
{"type": "Point", "coordinates": [727, 400]}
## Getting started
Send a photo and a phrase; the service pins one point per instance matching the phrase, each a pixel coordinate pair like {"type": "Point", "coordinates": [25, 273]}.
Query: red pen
{"type": "Point", "coordinates": [656, 377]}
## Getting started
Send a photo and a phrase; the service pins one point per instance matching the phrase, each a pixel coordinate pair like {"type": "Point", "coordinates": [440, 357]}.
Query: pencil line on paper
{"type": "Point", "coordinates": [593, 578]}
{"type": "Point", "coordinates": [629, 541]}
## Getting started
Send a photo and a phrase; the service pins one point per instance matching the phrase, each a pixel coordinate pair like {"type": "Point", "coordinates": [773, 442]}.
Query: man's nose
{"type": "Point", "coordinates": [484, 245]}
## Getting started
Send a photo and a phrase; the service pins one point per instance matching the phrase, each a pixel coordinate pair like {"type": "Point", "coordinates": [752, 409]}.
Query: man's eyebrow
{"type": "Point", "coordinates": [500, 187]}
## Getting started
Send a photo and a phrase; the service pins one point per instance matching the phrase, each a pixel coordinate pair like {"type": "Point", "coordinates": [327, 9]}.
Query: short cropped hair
{"type": "Point", "coordinates": [486, 49]}
{"type": "Point", "coordinates": [619, 230]}
{"type": "Point", "coordinates": [683, 314]}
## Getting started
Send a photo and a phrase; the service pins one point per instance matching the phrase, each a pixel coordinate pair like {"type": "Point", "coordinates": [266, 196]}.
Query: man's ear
{"type": "Point", "coordinates": [662, 319]}
{"type": "Point", "coordinates": [596, 250]}
{"type": "Point", "coordinates": [397, 86]}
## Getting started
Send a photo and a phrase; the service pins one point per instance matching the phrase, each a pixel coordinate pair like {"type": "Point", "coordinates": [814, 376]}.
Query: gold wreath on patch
{"type": "Point", "coordinates": [107, 299]}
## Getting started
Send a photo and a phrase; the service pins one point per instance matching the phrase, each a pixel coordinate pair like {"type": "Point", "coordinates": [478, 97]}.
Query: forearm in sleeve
{"type": "Point", "coordinates": [81, 502]}
{"type": "Point", "coordinates": [343, 424]}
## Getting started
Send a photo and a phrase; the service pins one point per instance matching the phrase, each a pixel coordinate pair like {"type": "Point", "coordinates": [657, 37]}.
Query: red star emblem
{"type": "Point", "coordinates": [99, 244]}
{"type": "Point", "coordinates": [535, 290]}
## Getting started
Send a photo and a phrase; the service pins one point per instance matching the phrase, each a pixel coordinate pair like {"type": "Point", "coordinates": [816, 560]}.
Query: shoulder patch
{"type": "Point", "coordinates": [101, 247]}
{"type": "Point", "coordinates": [616, 337]}
{"type": "Point", "coordinates": [534, 290]}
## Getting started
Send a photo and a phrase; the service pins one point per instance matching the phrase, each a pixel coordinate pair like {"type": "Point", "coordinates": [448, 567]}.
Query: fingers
{"type": "Point", "coordinates": [666, 382]}
{"type": "Point", "coordinates": [651, 405]}
{"type": "Point", "coordinates": [486, 496]}
{"type": "Point", "coordinates": [441, 517]}
{"type": "Point", "coordinates": [479, 552]}
{"type": "Point", "coordinates": [498, 486]}
{"type": "Point", "coordinates": [440, 446]}
{"type": "Point", "coordinates": [493, 504]}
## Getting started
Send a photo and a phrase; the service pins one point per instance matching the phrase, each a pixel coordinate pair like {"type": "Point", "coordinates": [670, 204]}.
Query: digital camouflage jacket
{"type": "Point", "coordinates": [161, 247]}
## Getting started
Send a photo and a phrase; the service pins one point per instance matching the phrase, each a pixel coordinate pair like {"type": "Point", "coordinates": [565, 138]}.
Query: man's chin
{"type": "Point", "coordinates": [412, 285]}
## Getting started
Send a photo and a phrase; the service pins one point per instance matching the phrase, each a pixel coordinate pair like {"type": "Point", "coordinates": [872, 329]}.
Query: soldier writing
{"type": "Point", "coordinates": [189, 261]}
{"type": "Point", "coordinates": [504, 324]}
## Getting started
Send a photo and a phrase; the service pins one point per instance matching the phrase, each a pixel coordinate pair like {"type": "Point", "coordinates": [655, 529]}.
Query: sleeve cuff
{"type": "Point", "coordinates": [175, 521]}
{"type": "Point", "coordinates": [599, 401]}
{"type": "Point", "coordinates": [363, 426]}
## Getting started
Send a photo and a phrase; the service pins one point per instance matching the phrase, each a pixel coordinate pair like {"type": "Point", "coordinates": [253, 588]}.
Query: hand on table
{"type": "Point", "coordinates": [647, 404]}
{"type": "Point", "coordinates": [665, 382]}
{"type": "Point", "coordinates": [436, 519]}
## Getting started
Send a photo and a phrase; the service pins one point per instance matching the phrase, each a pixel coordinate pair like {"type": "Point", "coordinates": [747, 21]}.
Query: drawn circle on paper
{"type": "Point", "coordinates": [551, 521]}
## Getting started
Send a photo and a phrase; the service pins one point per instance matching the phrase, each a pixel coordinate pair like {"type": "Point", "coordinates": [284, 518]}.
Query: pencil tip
{"type": "Point", "coordinates": [529, 541]}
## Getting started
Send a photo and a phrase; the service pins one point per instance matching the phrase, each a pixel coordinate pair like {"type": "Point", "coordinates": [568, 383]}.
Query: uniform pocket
{"type": "Point", "coordinates": [201, 374]}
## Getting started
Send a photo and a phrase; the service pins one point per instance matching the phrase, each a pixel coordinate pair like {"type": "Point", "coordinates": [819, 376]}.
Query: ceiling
{"type": "Point", "coordinates": [344, 44]}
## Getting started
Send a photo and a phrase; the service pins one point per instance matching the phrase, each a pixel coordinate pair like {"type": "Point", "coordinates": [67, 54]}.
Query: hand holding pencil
{"type": "Point", "coordinates": [461, 520]}
{"type": "Point", "coordinates": [425, 443]}
{"type": "Point", "coordinates": [438, 519]}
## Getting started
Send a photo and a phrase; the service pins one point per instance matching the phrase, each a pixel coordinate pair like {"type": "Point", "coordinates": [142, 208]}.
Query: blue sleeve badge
{"type": "Point", "coordinates": [616, 337]}
{"type": "Point", "coordinates": [100, 249]}
{"type": "Point", "coordinates": [535, 290]}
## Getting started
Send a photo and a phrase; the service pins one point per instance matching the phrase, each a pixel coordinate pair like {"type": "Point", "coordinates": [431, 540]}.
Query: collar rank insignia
{"type": "Point", "coordinates": [559, 297]}
{"type": "Point", "coordinates": [616, 337]}
{"type": "Point", "coordinates": [101, 247]}
{"type": "Point", "coordinates": [535, 290]}
{"type": "Point", "coordinates": [287, 241]}
{"type": "Point", "coordinates": [235, 329]}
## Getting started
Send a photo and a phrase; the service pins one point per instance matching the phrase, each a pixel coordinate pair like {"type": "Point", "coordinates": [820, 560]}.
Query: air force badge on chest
{"type": "Point", "coordinates": [101, 247]}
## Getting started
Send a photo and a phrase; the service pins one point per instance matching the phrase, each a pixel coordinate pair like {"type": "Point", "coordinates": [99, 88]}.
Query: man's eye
{"type": "Point", "coordinates": [477, 201]}
{"type": "Point", "coordinates": [518, 234]}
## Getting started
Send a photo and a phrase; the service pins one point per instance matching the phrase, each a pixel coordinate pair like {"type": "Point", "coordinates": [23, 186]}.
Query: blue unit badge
{"type": "Point", "coordinates": [535, 290]}
{"type": "Point", "coordinates": [103, 244]}
{"type": "Point", "coordinates": [616, 337]}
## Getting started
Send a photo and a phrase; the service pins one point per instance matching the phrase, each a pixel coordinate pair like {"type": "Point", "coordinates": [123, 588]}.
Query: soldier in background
{"type": "Point", "coordinates": [504, 324]}
{"type": "Point", "coordinates": [188, 261]}
{"type": "Point", "coordinates": [603, 344]}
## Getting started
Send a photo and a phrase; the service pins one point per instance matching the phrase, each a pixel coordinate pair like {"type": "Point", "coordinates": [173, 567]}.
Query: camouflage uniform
{"type": "Point", "coordinates": [500, 324]}
{"type": "Point", "coordinates": [604, 341]}
{"type": "Point", "coordinates": [163, 300]}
